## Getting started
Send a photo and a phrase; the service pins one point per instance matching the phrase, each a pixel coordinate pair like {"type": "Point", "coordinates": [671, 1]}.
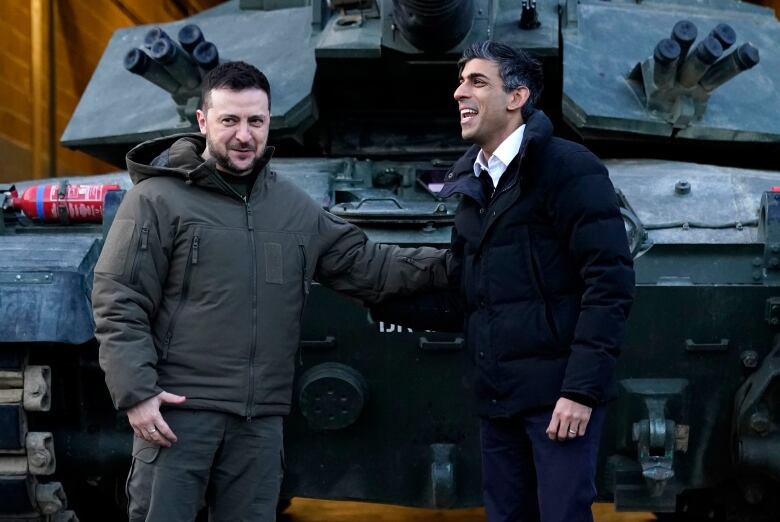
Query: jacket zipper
{"type": "Point", "coordinates": [192, 259]}
{"type": "Point", "coordinates": [536, 274]}
{"type": "Point", "coordinates": [253, 278]}
{"type": "Point", "coordinates": [253, 281]}
{"type": "Point", "coordinates": [514, 180]}
{"type": "Point", "coordinates": [305, 289]}
{"type": "Point", "coordinates": [143, 244]}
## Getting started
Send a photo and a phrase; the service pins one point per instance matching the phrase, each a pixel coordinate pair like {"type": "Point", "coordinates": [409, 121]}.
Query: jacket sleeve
{"type": "Point", "coordinates": [441, 310]}
{"type": "Point", "coordinates": [587, 217]}
{"type": "Point", "coordinates": [125, 296]}
{"type": "Point", "coordinates": [350, 263]}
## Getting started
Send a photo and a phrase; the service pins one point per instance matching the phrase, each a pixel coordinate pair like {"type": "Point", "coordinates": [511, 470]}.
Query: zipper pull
{"type": "Point", "coordinates": [166, 345]}
{"type": "Point", "coordinates": [195, 248]}
{"type": "Point", "coordinates": [144, 237]}
{"type": "Point", "coordinates": [249, 224]}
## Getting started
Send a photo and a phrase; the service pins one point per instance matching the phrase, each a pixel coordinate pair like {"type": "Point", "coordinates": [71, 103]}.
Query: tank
{"type": "Point", "coordinates": [679, 97]}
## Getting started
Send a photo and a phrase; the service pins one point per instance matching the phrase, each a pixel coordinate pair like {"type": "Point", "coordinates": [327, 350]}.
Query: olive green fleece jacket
{"type": "Point", "coordinates": [200, 293]}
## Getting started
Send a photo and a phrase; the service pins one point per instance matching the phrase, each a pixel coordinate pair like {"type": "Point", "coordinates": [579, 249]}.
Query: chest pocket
{"type": "Point", "coordinates": [274, 263]}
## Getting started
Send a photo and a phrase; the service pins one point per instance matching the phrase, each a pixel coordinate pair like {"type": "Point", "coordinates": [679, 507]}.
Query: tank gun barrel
{"type": "Point", "coordinates": [138, 62]}
{"type": "Point", "coordinates": [176, 62]}
{"type": "Point", "coordinates": [743, 58]}
{"type": "Point", "coordinates": [699, 61]}
{"type": "Point", "coordinates": [433, 25]}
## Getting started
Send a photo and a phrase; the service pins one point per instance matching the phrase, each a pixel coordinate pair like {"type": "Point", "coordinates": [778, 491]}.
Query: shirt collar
{"type": "Point", "coordinates": [502, 156]}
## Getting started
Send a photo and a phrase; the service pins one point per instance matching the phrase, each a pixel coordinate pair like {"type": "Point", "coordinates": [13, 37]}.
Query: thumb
{"type": "Point", "coordinates": [171, 398]}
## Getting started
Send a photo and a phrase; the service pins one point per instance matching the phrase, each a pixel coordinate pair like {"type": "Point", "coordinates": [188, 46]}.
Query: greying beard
{"type": "Point", "coordinates": [226, 164]}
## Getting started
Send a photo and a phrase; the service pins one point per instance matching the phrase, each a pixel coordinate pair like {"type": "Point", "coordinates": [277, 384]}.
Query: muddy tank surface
{"type": "Point", "coordinates": [680, 98]}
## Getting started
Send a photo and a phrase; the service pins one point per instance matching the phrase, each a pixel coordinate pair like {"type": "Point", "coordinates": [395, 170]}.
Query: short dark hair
{"type": "Point", "coordinates": [516, 67]}
{"type": "Point", "coordinates": [236, 76]}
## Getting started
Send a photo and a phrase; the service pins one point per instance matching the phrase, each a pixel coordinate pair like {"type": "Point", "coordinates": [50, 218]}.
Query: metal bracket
{"type": "Point", "coordinates": [756, 422]}
{"type": "Point", "coordinates": [37, 386]}
{"type": "Point", "coordinates": [772, 311]}
{"type": "Point", "coordinates": [442, 475]}
{"type": "Point", "coordinates": [50, 498]}
{"type": "Point", "coordinates": [40, 453]}
{"type": "Point", "coordinates": [657, 437]}
{"type": "Point", "coordinates": [769, 229]}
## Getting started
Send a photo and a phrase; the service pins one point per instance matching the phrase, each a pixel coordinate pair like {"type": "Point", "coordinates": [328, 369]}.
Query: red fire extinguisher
{"type": "Point", "coordinates": [63, 202]}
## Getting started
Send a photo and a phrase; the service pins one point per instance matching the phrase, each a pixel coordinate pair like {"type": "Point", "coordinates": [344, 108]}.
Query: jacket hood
{"type": "Point", "coordinates": [179, 155]}
{"type": "Point", "coordinates": [538, 132]}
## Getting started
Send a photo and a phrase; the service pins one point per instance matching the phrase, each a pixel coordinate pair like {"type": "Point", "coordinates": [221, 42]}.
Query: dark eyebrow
{"type": "Point", "coordinates": [474, 76]}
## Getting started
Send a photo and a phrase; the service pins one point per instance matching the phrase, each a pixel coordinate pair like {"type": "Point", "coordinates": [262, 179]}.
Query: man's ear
{"type": "Point", "coordinates": [518, 98]}
{"type": "Point", "coordinates": [201, 116]}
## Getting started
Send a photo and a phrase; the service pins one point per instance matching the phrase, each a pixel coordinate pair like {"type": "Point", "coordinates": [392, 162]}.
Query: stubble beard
{"type": "Point", "coordinates": [224, 162]}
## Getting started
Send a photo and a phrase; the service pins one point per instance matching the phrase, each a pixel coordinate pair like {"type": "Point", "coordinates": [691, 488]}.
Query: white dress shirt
{"type": "Point", "coordinates": [501, 158]}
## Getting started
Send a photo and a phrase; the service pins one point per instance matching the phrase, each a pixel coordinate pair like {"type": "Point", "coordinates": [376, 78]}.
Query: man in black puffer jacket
{"type": "Point", "coordinates": [541, 258]}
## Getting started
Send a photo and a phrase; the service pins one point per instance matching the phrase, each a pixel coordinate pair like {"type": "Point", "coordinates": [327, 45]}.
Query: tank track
{"type": "Point", "coordinates": [26, 457]}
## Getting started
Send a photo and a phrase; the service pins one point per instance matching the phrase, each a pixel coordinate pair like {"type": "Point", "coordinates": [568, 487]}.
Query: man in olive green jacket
{"type": "Point", "coordinates": [198, 296]}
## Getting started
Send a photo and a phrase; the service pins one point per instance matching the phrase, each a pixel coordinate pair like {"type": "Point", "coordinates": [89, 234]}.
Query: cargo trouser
{"type": "Point", "coordinates": [221, 460]}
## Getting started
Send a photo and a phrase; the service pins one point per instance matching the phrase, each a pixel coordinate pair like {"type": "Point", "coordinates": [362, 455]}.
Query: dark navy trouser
{"type": "Point", "coordinates": [526, 477]}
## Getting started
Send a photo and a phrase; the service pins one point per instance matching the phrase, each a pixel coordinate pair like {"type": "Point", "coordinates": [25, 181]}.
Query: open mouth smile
{"type": "Point", "coordinates": [467, 114]}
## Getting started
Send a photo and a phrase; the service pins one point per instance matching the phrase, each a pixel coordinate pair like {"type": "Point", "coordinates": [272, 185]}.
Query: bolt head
{"type": "Point", "coordinates": [759, 423]}
{"type": "Point", "coordinates": [750, 357]}
{"type": "Point", "coordinates": [753, 494]}
{"type": "Point", "coordinates": [39, 459]}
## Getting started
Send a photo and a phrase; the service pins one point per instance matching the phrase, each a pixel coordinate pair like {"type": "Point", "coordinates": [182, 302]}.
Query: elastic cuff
{"type": "Point", "coordinates": [580, 398]}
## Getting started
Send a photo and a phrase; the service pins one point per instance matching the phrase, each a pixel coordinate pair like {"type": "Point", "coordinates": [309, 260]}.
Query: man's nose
{"type": "Point", "coordinates": [460, 93]}
{"type": "Point", "coordinates": [242, 133]}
